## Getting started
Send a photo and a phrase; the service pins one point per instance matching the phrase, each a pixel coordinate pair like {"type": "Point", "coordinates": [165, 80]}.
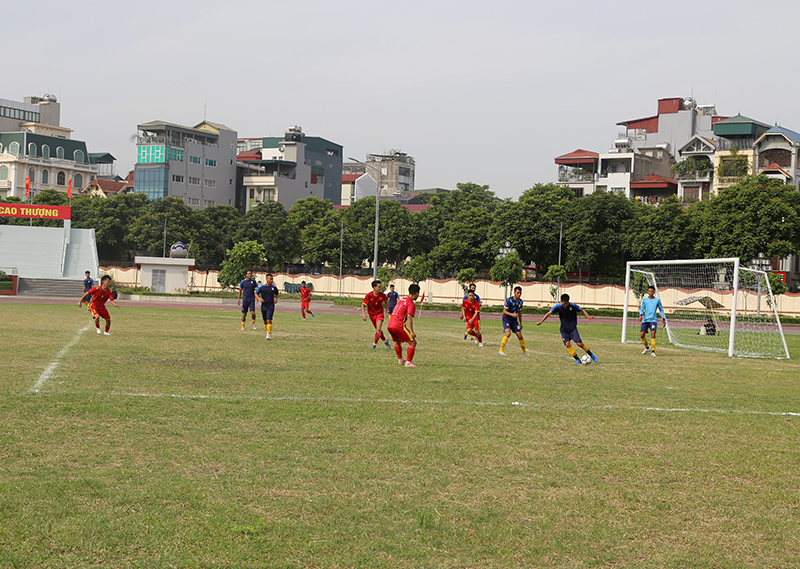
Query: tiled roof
{"type": "Point", "coordinates": [654, 180]}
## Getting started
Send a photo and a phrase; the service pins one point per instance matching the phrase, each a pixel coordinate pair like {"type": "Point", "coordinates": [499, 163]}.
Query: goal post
{"type": "Point", "coordinates": [710, 304]}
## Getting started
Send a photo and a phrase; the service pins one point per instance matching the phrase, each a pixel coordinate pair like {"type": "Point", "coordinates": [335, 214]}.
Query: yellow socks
{"type": "Point", "coordinates": [644, 341]}
{"type": "Point", "coordinates": [522, 343]}
{"type": "Point", "coordinates": [653, 344]}
{"type": "Point", "coordinates": [572, 352]}
{"type": "Point", "coordinates": [242, 324]}
{"type": "Point", "coordinates": [269, 328]}
{"type": "Point", "coordinates": [503, 343]}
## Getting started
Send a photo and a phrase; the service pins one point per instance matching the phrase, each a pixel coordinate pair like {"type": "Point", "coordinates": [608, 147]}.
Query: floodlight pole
{"type": "Point", "coordinates": [377, 206]}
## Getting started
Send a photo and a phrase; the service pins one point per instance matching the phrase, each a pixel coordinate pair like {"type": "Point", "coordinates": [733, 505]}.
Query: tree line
{"type": "Point", "coordinates": [462, 230]}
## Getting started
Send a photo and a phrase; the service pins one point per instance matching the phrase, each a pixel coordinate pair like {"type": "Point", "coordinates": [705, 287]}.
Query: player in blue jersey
{"type": "Point", "coordinates": [648, 316]}
{"type": "Point", "coordinates": [512, 321]}
{"type": "Point", "coordinates": [247, 297]}
{"type": "Point", "coordinates": [267, 295]}
{"type": "Point", "coordinates": [393, 298]}
{"type": "Point", "coordinates": [88, 283]}
{"type": "Point", "coordinates": [568, 313]}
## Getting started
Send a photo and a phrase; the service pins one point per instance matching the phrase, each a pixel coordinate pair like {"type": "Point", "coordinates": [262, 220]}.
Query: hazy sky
{"type": "Point", "coordinates": [488, 92]}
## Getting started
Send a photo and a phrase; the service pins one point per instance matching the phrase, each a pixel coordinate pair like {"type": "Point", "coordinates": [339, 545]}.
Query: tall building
{"type": "Point", "coordinates": [289, 168]}
{"type": "Point", "coordinates": [196, 164]}
{"type": "Point", "coordinates": [394, 171]}
{"type": "Point", "coordinates": [34, 145]}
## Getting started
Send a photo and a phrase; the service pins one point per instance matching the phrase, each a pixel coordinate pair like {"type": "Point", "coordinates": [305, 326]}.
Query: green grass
{"type": "Point", "coordinates": [181, 442]}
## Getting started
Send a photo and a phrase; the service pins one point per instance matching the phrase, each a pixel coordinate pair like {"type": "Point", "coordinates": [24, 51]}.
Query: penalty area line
{"type": "Point", "coordinates": [49, 370]}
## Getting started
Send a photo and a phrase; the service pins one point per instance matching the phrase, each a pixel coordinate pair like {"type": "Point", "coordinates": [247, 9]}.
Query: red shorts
{"type": "Point", "coordinates": [374, 319]}
{"type": "Point", "coordinates": [475, 325]}
{"type": "Point", "coordinates": [400, 335]}
{"type": "Point", "coordinates": [304, 304]}
{"type": "Point", "coordinates": [101, 310]}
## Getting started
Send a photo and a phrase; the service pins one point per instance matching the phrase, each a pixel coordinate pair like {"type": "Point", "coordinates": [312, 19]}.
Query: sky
{"type": "Point", "coordinates": [483, 92]}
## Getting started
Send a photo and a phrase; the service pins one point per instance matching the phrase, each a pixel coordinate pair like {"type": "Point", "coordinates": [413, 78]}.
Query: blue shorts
{"type": "Point", "coordinates": [567, 335]}
{"type": "Point", "coordinates": [248, 305]}
{"type": "Point", "coordinates": [511, 324]}
{"type": "Point", "coordinates": [267, 310]}
{"type": "Point", "coordinates": [651, 326]}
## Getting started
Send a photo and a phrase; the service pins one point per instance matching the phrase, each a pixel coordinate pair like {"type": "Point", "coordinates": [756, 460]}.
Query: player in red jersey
{"type": "Point", "coordinates": [100, 295]}
{"type": "Point", "coordinates": [401, 326]}
{"type": "Point", "coordinates": [305, 300]}
{"type": "Point", "coordinates": [375, 304]}
{"type": "Point", "coordinates": [471, 314]}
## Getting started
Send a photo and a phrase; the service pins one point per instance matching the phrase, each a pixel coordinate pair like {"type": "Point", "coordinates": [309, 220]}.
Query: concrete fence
{"type": "Point", "coordinates": [450, 292]}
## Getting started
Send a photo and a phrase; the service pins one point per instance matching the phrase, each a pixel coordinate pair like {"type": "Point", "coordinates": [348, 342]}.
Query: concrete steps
{"type": "Point", "coordinates": [54, 288]}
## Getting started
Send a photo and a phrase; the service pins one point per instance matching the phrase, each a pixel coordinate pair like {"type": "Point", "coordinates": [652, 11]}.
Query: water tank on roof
{"type": "Point", "coordinates": [622, 143]}
{"type": "Point", "coordinates": [687, 104]}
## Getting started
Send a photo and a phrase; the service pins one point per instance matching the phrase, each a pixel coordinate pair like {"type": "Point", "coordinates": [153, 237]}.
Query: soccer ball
{"type": "Point", "coordinates": [178, 250]}
{"type": "Point", "coordinates": [586, 359]}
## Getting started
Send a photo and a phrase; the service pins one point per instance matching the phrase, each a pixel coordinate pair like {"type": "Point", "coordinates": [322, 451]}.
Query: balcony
{"type": "Point", "coordinates": [575, 177]}
{"type": "Point", "coordinates": [695, 176]}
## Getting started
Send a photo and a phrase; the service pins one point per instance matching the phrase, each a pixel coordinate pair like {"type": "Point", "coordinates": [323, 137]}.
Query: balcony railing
{"type": "Point", "coordinates": [570, 177]}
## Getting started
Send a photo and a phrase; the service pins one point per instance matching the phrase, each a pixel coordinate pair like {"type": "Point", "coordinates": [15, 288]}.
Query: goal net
{"type": "Point", "coordinates": [710, 304]}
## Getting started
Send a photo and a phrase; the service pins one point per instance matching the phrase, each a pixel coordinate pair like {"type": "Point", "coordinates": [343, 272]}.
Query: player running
{"type": "Point", "coordinates": [470, 289]}
{"type": "Point", "coordinates": [100, 295]}
{"type": "Point", "coordinates": [471, 314]}
{"type": "Point", "coordinates": [401, 327]}
{"type": "Point", "coordinates": [648, 316]}
{"type": "Point", "coordinates": [88, 283]}
{"type": "Point", "coordinates": [305, 300]}
{"type": "Point", "coordinates": [568, 313]}
{"type": "Point", "coordinates": [512, 321]}
{"type": "Point", "coordinates": [375, 304]}
{"type": "Point", "coordinates": [267, 295]}
{"type": "Point", "coordinates": [393, 298]}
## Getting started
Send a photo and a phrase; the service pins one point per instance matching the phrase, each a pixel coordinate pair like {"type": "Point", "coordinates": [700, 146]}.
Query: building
{"type": "Point", "coordinates": [734, 157]}
{"type": "Point", "coordinates": [34, 145]}
{"type": "Point", "coordinates": [623, 165]}
{"type": "Point", "coordinates": [777, 154]}
{"type": "Point", "coordinates": [196, 164]}
{"type": "Point", "coordinates": [357, 186]}
{"type": "Point", "coordinates": [578, 171]}
{"type": "Point", "coordinates": [394, 171]}
{"type": "Point", "coordinates": [290, 168]}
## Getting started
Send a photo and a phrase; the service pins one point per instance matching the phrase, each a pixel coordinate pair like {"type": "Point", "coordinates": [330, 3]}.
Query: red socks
{"type": "Point", "coordinates": [398, 349]}
{"type": "Point", "coordinates": [410, 355]}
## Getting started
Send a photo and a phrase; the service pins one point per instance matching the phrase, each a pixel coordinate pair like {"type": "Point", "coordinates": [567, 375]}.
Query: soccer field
{"type": "Point", "coordinates": [180, 441]}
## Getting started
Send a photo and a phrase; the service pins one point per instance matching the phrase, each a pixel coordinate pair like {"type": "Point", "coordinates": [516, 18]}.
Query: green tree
{"type": "Point", "coordinates": [659, 232]}
{"type": "Point", "coordinates": [147, 230]}
{"type": "Point", "coordinates": [320, 242]}
{"type": "Point", "coordinates": [269, 224]}
{"type": "Point", "coordinates": [757, 215]}
{"type": "Point", "coordinates": [596, 236]}
{"type": "Point", "coordinates": [507, 269]}
{"type": "Point", "coordinates": [418, 269]}
{"type": "Point", "coordinates": [465, 242]}
{"type": "Point", "coordinates": [532, 225]}
{"type": "Point", "coordinates": [244, 255]}
{"type": "Point", "coordinates": [215, 227]}
{"type": "Point", "coordinates": [393, 235]}
{"type": "Point", "coordinates": [111, 218]}
{"type": "Point", "coordinates": [309, 210]}
{"type": "Point", "coordinates": [466, 276]}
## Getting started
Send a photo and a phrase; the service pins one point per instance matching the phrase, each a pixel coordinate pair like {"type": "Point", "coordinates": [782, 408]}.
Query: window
{"type": "Point", "coordinates": [151, 154]}
{"type": "Point", "coordinates": [211, 183]}
{"type": "Point", "coordinates": [194, 159]}
{"type": "Point", "coordinates": [209, 203]}
{"type": "Point", "coordinates": [45, 176]}
{"type": "Point", "coordinates": [177, 178]}
{"type": "Point", "coordinates": [60, 153]}
{"type": "Point", "coordinates": [212, 163]}
{"type": "Point", "coordinates": [32, 175]}
{"type": "Point", "coordinates": [153, 182]}
{"type": "Point", "coordinates": [175, 154]}
{"type": "Point", "coordinates": [13, 148]}
{"type": "Point", "coordinates": [45, 151]}
{"type": "Point", "coordinates": [193, 201]}
{"type": "Point", "coordinates": [32, 149]}
{"type": "Point", "coordinates": [77, 182]}
{"type": "Point", "coordinates": [61, 178]}
{"type": "Point", "coordinates": [3, 172]}
{"type": "Point", "coordinates": [194, 181]}
{"type": "Point", "coordinates": [78, 155]}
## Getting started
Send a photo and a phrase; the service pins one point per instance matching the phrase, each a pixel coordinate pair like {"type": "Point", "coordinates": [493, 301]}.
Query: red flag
{"type": "Point", "coordinates": [28, 186]}
{"type": "Point", "coordinates": [69, 189]}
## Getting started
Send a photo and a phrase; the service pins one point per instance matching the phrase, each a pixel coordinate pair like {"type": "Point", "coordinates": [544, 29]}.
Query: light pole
{"type": "Point", "coordinates": [377, 205]}
{"type": "Point", "coordinates": [341, 248]}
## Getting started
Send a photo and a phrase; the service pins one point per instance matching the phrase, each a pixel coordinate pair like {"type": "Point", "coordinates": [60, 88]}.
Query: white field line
{"type": "Point", "coordinates": [48, 372]}
{"type": "Point", "coordinates": [360, 400]}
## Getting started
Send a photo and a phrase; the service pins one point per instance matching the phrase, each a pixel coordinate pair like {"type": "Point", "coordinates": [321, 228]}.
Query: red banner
{"type": "Point", "coordinates": [35, 211]}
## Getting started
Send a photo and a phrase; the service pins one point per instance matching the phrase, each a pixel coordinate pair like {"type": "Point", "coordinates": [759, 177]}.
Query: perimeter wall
{"type": "Point", "coordinates": [450, 292]}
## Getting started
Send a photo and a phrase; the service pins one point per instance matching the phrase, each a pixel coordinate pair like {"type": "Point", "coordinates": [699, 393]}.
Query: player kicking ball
{"type": "Point", "coordinates": [568, 313]}
{"type": "Point", "coordinates": [512, 321]}
{"type": "Point", "coordinates": [648, 316]}
{"type": "Point", "coordinates": [374, 304]}
{"type": "Point", "coordinates": [100, 295]}
{"type": "Point", "coordinates": [471, 314]}
{"type": "Point", "coordinates": [401, 326]}
{"type": "Point", "coordinates": [305, 300]}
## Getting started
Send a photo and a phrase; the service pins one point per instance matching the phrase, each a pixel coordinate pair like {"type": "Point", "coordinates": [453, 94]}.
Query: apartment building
{"type": "Point", "coordinates": [394, 171]}
{"type": "Point", "coordinates": [196, 164]}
